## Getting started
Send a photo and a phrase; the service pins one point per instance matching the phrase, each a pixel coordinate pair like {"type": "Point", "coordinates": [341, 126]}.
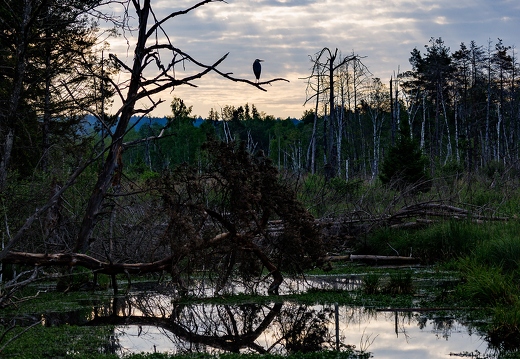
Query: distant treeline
{"type": "Point", "coordinates": [462, 109]}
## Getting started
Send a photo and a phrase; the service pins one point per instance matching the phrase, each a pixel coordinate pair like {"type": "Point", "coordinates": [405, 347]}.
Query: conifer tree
{"type": "Point", "coordinates": [405, 163]}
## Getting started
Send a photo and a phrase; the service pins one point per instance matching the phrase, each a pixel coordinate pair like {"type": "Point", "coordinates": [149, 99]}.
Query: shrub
{"type": "Point", "coordinates": [440, 242]}
{"type": "Point", "coordinates": [503, 252]}
{"type": "Point", "coordinates": [504, 332]}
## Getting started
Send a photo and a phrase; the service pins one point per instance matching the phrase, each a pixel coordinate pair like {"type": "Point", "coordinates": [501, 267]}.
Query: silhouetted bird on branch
{"type": "Point", "coordinates": [257, 69]}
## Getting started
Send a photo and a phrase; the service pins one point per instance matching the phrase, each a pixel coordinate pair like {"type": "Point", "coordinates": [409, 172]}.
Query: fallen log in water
{"type": "Point", "coordinates": [373, 259]}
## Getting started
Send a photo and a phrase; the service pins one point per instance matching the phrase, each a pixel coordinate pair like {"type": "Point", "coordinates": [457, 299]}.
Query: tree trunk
{"type": "Point", "coordinates": [116, 147]}
{"type": "Point", "coordinates": [46, 105]}
{"type": "Point", "coordinates": [7, 121]}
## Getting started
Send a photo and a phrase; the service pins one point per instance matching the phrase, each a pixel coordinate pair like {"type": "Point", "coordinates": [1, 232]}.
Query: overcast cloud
{"type": "Point", "coordinates": [285, 32]}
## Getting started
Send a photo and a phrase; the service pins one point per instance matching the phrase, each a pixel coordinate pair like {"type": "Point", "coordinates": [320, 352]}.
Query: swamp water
{"type": "Point", "coordinates": [147, 321]}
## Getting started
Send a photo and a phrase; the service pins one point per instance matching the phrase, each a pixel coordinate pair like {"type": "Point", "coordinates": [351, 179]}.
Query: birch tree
{"type": "Point", "coordinates": [376, 104]}
{"type": "Point", "coordinates": [504, 69]}
{"type": "Point", "coordinates": [432, 72]}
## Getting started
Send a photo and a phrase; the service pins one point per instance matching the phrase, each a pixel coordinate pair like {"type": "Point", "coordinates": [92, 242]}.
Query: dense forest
{"type": "Point", "coordinates": [86, 183]}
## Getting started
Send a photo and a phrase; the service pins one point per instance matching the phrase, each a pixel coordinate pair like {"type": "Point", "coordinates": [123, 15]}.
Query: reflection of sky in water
{"type": "Point", "coordinates": [149, 339]}
{"type": "Point", "coordinates": [410, 341]}
{"type": "Point", "coordinates": [372, 332]}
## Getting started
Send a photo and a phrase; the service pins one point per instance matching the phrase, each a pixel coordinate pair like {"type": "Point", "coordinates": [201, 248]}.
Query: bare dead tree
{"type": "Point", "coordinates": [326, 64]}
{"type": "Point", "coordinates": [149, 75]}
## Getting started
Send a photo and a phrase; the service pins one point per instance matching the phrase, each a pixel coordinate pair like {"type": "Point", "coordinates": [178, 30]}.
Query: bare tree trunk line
{"type": "Point", "coordinates": [314, 124]}
{"type": "Point", "coordinates": [6, 120]}
{"type": "Point", "coordinates": [116, 147]}
{"type": "Point", "coordinates": [392, 114]}
{"type": "Point", "coordinates": [423, 123]}
{"type": "Point", "coordinates": [449, 149]}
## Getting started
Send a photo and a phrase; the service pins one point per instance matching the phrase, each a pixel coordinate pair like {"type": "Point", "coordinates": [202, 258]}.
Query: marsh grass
{"type": "Point", "coordinates": [371, 283]}
{"type": "Point", "coordinates": [504, 332]}
{"type": "Point", "coordinates": [400, 283]}
{"type": "Point", "coordinates": [502, 252]}
{"type": "Point", "coordinates": [444, 241]}
{"type": "Point", "coordinates": [487, 285]}
{"type": "Point", "coordinates": [59, 342]}
{"type": "Point", "coordinates": [94, 343]}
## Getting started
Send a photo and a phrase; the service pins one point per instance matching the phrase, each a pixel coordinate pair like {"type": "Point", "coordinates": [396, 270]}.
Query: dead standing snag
{"type": "Point", "coordinates": [151, 45]}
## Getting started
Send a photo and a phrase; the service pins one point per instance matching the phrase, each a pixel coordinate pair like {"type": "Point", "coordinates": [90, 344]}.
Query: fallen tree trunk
{"type": "Point", "coordinates": [83, 260]}
{"type": "Point", "coordinates": [373, 259]}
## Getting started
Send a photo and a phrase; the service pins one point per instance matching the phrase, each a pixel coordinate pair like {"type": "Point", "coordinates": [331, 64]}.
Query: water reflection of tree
{"type": "Point", "coordinates": [229, 328]}
{"type": "Point", "coordinates": [443, 327]}
{"type": "Point", "coordinates": [279, 328]}
{"type": "Point", "coordinates": [271, 328]}
{"type": "Point", "coordinates": [304, 329]}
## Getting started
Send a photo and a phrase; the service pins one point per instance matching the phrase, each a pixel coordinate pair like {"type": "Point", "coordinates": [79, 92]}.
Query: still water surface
{"type": "Point", "coordinates": [149, 321]}
{"type": "Point", "coordinates": [145, 326]}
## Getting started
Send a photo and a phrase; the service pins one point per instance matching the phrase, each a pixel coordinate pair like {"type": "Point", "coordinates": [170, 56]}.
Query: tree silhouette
{"type": "Point", "coordinates": [220, 220]}
{"type": "Point", "coordinates": [152, 45]}
{"type": "Point", "coordinates": [405, 164]}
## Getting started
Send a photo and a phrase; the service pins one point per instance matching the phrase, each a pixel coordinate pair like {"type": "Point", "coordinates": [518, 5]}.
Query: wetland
{"type": "Point", "coordinates": [318, 313]}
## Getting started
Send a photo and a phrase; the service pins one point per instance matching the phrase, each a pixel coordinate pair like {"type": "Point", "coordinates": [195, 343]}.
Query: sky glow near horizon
{"type": "Point", "coordinates": [285, 33]}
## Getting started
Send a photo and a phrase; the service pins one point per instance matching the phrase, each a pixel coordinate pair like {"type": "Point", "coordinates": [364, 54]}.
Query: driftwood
{"type": "Point", "coordinates": [440, 210]}
{"type": "Point", "coordinates": [383, 259]}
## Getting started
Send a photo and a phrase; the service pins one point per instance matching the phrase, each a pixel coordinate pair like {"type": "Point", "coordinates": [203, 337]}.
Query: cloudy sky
{"type": "Point", "coordinates": [285, 32]}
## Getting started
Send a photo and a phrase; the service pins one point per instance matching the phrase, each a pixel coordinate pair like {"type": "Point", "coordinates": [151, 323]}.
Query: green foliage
{"type": "Point", "coordinates": [400, 283]}
{"type": "Point", "coordinates": [484, 196]}
{"type": "Point", "coordinates": [502, 251]}
{"type": "Point", "coordinates": [451, 169]}
{"type": "Point", "coordinates": [59, 342]}
{"type": "Point", "coordinates": [486, 285]}
{"type": "Point", "coordinates": [322, 197]}
{"type": "Point", "coordinates": [371, 283]}
{"type": "Point", "coordinates": [23, 195]}
{"type": "Point", "coordinates": [405, 163]}
{"type": "Point", "coordinates": [492, 169]}
{"type": "Point", "coordinates": [439, 242]}
{"type": "Point", "coordinates": [504, 331]}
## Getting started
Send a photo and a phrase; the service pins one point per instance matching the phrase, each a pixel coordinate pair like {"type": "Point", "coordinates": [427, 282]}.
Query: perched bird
{"type": "Point", "coordinates": [257, 69]}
